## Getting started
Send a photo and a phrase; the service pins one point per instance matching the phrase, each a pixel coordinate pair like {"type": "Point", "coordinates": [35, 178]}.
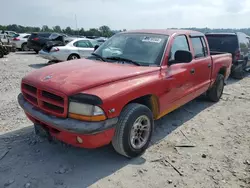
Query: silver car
{"type": "Point", "coordinates": [76, 49]}
{"type": "Point", "coordinates": [20, 41]}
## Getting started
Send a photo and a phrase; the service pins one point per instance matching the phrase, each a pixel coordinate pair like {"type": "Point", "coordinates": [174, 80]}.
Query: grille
{"type": "Point", "coordinates": [47, 101]}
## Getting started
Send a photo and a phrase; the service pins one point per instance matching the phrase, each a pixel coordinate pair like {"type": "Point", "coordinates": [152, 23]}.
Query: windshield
{"type": "Point", "coordinates": [222, 43]}
{"type": "Point", "coordinates": [144, 48]}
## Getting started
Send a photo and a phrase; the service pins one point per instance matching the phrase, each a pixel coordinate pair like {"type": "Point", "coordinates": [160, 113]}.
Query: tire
{"type": "Point", "coordinates": [25, 47]}
{"type": "Point", "coordinates": [1, 53]}
{"type": "Point", "coordinates": [73, 56]}
{"type": "Point", "coordinates": [239, 73]}
{"type": "Point", "coordinates": [126, 128]}
{"type": "Point", "coordinates": [214, 94]}
{"type": "Point", "coordinates": [36, 51]}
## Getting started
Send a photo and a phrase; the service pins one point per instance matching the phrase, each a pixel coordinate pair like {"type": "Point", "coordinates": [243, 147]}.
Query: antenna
{"type": "Point", "coordinates": [76, 25]}
{"type": "Point", "coordinates": [77, 36]}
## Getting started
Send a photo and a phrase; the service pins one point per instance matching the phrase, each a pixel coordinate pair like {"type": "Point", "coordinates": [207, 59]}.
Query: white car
{"type": "Point", "coordinates": [76, 49]}
{"type": "Point", "coordinates": [20, 41]}
{"type": "Point", "coordinates": [4, 39]}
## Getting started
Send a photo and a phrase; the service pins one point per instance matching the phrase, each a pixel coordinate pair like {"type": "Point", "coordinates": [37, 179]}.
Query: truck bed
{"type": "Point", "coordinates": [221, 59]}
{"type": "Point", "coordinates": [217, 53]}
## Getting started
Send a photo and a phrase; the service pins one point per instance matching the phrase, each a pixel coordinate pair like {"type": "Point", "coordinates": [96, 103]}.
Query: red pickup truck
{"type": "Point", "coordinates": [115, 95]}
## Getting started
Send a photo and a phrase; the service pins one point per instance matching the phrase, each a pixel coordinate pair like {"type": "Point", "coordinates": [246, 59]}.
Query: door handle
{"type": "Point", "coordinates": [192, 71]}
{"type": "Point", "coordinates": [209, 65]}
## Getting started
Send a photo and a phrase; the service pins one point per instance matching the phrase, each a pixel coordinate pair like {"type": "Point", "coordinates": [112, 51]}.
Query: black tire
{"type": "Point", "coordinates": [25, 47]}
{"type": "Point", "coordinates": [36, 51]}
{"type": "Point", "coordinates": [121, 140]}
{"type": "Point", "coordinates": [73, 56]}
{"type": "Point", "coordinates": [239, 73]}
{"type": "Point", "coordinates": [214, 94]}
{"type": "Point", "coordinates": [1, 53]}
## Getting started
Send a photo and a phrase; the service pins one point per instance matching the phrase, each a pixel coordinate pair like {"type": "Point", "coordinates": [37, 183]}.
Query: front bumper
{"type": "Point", "coordinates": [93, 134]}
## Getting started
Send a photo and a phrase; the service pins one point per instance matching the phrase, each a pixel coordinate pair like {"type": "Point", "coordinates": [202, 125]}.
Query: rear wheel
{"type": "Point", "coordinates": [1, 53]}
{"type": "Point", "coordinates": [133, 131]}
{"type": "Point", "coordinates": [73, 56]}
{"type": "Point", "coordinates": [25, 47]}
{"type": "Point", "coordinates": [36, 51]}
{"type": "Point", "coordinates": [214, 94]}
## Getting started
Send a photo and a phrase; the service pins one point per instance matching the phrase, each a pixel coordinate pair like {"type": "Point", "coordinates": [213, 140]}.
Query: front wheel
{"type": "Point", "coordinates": [214, 94]}
{"type": "Point", "coordinates": [133, 131]}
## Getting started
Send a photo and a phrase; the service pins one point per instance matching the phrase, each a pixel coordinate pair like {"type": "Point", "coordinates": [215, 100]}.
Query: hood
{"type": "Point", "coordinates": [75, 76]}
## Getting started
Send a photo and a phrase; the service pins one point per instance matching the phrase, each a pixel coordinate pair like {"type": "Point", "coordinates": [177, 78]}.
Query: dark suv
{"type": "Point", "coordinates": [238, 44]}
{"type": "Point", "coordinates": [37, 41]}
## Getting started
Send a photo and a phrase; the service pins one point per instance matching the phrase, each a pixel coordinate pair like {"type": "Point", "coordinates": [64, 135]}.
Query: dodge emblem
{"type": "Point", "coordinates": [47, 77]}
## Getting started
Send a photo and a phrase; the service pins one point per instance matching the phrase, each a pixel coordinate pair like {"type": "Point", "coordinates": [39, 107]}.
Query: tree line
{"type": "Point", "coordinates": [103, 31]}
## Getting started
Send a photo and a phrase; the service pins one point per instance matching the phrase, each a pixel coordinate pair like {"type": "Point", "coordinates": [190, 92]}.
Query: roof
{"type": "Point", "coordinates": [220, 34]}
{"type": "Point", "coordinates": [164, 31]}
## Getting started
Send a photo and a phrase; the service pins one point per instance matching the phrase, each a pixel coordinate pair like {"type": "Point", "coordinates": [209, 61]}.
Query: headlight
{"type": "Point", "coordinates": [86, 112]}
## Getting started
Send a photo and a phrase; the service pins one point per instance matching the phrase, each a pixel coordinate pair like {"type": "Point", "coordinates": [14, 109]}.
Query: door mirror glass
{"type": "Point", "coordinates": [182, 56]}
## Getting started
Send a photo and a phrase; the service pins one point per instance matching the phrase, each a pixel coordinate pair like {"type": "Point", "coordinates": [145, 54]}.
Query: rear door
{"type": "Point", "coordinates": [202, 64]}
{"type": "Point", "coordinates": [85, 48]}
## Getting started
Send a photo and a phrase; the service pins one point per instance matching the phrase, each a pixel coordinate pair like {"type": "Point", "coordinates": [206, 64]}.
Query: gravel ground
{"type": "Point", "coordinates": [199, 145]}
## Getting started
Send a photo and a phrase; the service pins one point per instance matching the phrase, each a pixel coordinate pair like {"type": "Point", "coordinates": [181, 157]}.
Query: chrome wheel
{"type": "Point", "coordinates": [140, 132]}
{"type": "Point", "coordinates": [74, 57]}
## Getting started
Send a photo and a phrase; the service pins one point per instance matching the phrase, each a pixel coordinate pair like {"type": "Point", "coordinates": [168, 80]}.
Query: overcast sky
{"type": "Point", "coordinates": [129, 14]}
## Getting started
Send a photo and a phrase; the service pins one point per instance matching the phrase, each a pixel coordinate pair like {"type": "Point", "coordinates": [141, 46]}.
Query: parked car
{"type": "Point", "coordinates": [20, 41]}
{"type": "Point", "coordinates": [237, 44]}
{"type": "Point", "coordinates": [76, 49]}
{"type": "Point", "coordinates": [37, 41]}
{"type": "Point", "coordinates": [115, 97]}
{"type": "Point", "coordinates": [101, 40]}
{"type": "Point", "coordinates": [10, 34]}
{"type": "Point", "coordinates": [4, 39]}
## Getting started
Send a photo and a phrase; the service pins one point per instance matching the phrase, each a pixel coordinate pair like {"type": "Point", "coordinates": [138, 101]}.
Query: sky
{"type": "Point", "coordinates": [127, 14]}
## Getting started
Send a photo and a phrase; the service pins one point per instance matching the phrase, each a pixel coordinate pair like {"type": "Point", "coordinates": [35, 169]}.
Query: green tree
{"type": "Point", "coordinates": [45, 28]}
{"type": "Point", "coordinates": [93, 32]}
{"type": "Point", "coordinates": [105, 31]}
{"type": "Point", "coordinates": [82, 32]}
{"type": "Point", "coordinates": [57, 29]}
{"type": "Point", "coordinates": [68, 31]}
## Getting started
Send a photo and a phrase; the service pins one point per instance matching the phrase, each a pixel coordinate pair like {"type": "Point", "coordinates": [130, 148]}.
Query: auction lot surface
{"type": "Point", "coordinates": [214, 140]}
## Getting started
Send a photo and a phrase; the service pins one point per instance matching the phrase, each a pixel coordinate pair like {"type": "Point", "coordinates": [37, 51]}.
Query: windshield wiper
{"type": "Point", "coordinates": [123, 59]}
{"type": "Point", "coordinates": [99, 56]}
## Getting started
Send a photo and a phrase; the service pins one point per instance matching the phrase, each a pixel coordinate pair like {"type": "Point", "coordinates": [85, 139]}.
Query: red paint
{"type": "Point", "coordinates": [118, 84]}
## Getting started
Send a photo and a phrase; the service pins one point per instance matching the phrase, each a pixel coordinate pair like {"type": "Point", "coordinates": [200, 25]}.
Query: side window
{"type": "Point", "coordinates": [204, 46]}
{"type": "Point", "coordinates": [90, 45]}
{"type": "Point", "coordinates": [27, 36]}
{"type": "Point", "coordinates": [82, 44]}
{"type": "Point", "coordinates": [180, 43]}
{"type": "Point", "coordinates": [198, 47]}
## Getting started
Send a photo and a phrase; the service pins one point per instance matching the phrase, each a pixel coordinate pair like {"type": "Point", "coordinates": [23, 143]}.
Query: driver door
{"type": "Point", "coordinates": [178, 77]}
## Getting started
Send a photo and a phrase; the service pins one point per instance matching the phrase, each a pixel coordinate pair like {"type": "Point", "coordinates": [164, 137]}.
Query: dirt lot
{"type": "Point", "coordinates": [218, 136]}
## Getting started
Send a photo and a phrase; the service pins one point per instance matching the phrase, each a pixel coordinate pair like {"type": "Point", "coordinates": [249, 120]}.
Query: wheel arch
{"type": "Point", "coordinates": [151, 101]}
{"type": "Point", "coordinates": [223, 71]}
{"type": "Point", "coordinates": [74, 53]}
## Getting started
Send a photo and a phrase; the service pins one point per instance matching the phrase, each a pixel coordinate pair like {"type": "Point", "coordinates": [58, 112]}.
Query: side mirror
{"type": "Point", "coordinates": [183, 56]}
{"type": "Point", "coordinates": [96, 46]}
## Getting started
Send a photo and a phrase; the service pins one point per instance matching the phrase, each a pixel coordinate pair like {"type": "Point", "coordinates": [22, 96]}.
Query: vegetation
{"type": "Point", "coordinates": [103, 31]}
